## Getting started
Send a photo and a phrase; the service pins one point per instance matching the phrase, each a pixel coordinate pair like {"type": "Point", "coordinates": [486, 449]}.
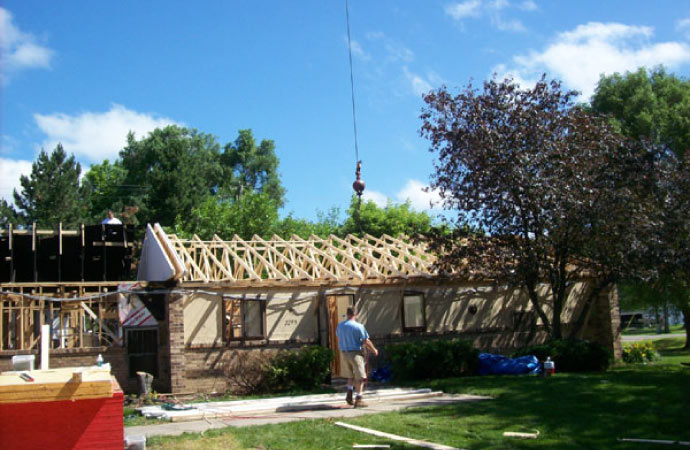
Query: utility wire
{"type": "Point", "coordinates": [352, 79]}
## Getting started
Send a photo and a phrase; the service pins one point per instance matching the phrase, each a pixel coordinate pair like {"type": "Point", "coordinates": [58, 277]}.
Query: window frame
{"type": "Point", "coordinates": [405, 328]}
{"type": "Point", "coordinates": [228, 335]}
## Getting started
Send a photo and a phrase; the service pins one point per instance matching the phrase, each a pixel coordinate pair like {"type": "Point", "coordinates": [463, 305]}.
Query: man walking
{"type": "Point", "coordinates": [352, 340]}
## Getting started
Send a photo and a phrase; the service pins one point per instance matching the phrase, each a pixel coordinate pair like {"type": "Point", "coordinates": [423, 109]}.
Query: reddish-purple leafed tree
{"type": "Point", "coordinates": [559, 195]}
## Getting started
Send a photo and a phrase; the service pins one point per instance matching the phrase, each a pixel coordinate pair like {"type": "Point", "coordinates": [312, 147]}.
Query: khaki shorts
{"type": "Point", "coordinates": [353, 366]}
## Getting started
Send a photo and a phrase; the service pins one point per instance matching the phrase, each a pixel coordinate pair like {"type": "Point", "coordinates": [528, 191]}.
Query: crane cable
{"type": "Point", "coordinates": [352, 80]}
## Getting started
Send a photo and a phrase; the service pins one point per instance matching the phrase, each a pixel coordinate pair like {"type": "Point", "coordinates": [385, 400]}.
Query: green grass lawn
{"type": "Point", "coordinates": [571, 411]}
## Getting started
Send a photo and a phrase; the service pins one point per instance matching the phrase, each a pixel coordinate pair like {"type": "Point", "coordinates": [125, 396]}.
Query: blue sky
{"type": "Point", "coordinates": [84, 73]}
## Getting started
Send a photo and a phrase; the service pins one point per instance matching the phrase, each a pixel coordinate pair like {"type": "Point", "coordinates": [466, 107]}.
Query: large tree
{"type": "Point", "coordinates": [51, 194]}
{"type": "Point", "coordinates": [250, 168]}
{"type": "Point", "coordinates": [253, 213]}
{"type": "Point", "coordinates": [175, 169]}
{"type": "Point", "coordinates": [647, 104]}
{"type": "Point", "coordinates": [654, 106]}
{"type": "Point", "coordinates": [104, 189]}
{"type": "Point", "coordinates": [557, 191]}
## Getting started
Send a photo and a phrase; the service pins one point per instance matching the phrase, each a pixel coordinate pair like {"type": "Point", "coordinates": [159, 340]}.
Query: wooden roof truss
{"type": "Point", "coordinates": [315, 259]}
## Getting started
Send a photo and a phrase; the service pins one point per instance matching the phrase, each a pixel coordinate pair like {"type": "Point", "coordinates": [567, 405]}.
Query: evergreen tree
{"type": "Point", "coordinates": [51, 194]}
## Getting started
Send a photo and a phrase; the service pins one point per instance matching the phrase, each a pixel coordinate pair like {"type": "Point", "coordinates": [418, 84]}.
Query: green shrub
{"type": "Point", "coordinates": [432, 359]}
{"type": "Point", "coordinates": [571, 355]}
{"type": "Point", "coordinates": [304, 369]}
{"type": "Point", "coordinates": [642, 352]}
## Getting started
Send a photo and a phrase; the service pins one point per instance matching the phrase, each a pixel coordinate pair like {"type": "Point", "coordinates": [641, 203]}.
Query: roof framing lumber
{"type": "Point", "coordinates": [315, 260]}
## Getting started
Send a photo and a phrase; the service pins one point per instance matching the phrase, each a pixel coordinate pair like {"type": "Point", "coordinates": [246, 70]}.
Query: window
{"type": "Point", "coordinates": [244, 319]}
{"type": "Point", "coordinates": [413, 313]}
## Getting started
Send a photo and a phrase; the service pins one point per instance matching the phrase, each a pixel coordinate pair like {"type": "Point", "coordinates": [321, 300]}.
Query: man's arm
{"type": "Point", "coordinates": [370, 345]}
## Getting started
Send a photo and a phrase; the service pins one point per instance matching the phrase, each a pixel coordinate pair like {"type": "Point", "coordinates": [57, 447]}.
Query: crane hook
{"type": "Point", "coordinates": [358, 185]}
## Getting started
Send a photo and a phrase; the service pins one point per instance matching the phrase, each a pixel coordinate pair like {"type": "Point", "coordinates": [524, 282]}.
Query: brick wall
{"type": "Point", "coordinates": [175, 342]}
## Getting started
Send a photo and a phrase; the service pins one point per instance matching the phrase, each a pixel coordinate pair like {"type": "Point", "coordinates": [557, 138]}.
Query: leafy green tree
{"type": "Point", "coordinates": [253, 213]}
{"type": "Point", "coordinates": [647, 104]}
{"type": "Point", "coordinates": [176, 170]}
{"type": "Point", "coordinates": [393, 220]}
{"type": "Point", "coordinates": [104, 189]}
{"type": "Point", "coordinates": [327, 223]}
{"type": "Point", "coordinates": [654, 105]}
{"type": "Point", "coordinates": [51, 194]}
{"type": "Point", "coordinates": [250, 168]}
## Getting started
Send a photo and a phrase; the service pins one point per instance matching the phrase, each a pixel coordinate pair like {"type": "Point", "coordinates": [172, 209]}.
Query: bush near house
{"type": "Point", "coordinates": [432, 359]}
{"type": "Point", "coordinates": [305, 369]}
{"type": "Point", "coordinates": [571, 355]}
{"type": "Point", "coordinates": [288, 370]}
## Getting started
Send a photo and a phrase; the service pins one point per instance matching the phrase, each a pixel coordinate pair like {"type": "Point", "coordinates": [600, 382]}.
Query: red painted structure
{"type": "Point", "coordinates": [94, 423]}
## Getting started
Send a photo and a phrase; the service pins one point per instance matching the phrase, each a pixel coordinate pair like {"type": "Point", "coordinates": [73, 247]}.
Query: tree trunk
{"type": "Point", "coordinates": [667, 329]}
{"type": "Point", "coordinates": [534, 299]}
{"type": "Point", "coordinates": [686, 322]}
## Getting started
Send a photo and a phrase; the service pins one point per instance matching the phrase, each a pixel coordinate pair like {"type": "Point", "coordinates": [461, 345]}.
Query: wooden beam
{"type": "Point", "coordinates": [271, 248]}
{"type": "Point", "coordinates": [267, 264]}
{"type": "Point", "coordinates": [311, 246]}
{"type": "Point", "coordinates": [395, 437]}
{"type": "Point", "coordinates": [179, 245]}
{"type": "Point", "coordinates": [240, 260]}
{"type": "Point", "coordinates": [217, 263]}
{"type": "Point", "coordinates": [103, 326]}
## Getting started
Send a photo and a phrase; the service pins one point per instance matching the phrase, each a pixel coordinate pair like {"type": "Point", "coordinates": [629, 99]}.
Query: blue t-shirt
{"type": "Point", "coordinates": [350, 334]}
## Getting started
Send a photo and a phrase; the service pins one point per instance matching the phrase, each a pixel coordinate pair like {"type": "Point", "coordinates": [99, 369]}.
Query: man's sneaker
{"type": "Point", "coordinates": [359, 403]}
{"type": "Point", "coordinates": [348, 397]}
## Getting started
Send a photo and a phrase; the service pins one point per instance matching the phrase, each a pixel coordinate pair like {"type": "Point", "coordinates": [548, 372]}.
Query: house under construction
{"type": "Point", "coordinates": [196, 305]}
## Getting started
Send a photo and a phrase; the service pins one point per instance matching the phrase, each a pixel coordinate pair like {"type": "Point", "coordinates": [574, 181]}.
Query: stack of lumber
{"type": "Point", "coordinates": [67, 408]}
{"type": "Point", "coordinates": [72, 383]}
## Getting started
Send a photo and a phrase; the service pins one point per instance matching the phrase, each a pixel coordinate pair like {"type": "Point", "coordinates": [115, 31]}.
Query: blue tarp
{"type": "Point", "coordinates": [502, 365]}
{"type": "Point", "coordinates": [382, 374]}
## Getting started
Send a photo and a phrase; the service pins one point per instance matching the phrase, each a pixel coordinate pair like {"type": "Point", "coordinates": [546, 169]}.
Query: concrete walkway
{"type": "Point", "coordinates": [650, 337]}
{"type": "Point", "coordinates": [335, 411]}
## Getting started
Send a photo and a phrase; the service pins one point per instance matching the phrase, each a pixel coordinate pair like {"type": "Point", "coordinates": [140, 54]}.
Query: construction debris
{"type": "Point", "coordinates": [277, 404]}
{"type": "Point", "coordinates": [521, 435]}
{"type": "Point", "coordinates": [655, 441]}
{"type": "Point", "coordinates": [395, 437]}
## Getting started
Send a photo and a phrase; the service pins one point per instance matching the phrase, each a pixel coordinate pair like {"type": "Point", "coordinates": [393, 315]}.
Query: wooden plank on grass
{"type": "Point", "coordinates": [395, 437]}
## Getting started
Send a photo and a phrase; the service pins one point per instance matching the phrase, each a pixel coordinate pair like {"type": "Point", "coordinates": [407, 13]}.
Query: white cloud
{"type": "Point", "coordinates": [463, 10]}
{"type": "Point", "coordinates": [379, 198]}
{"type": "Point", "coordinates": [95, 135]}
{"type": "Point", "coordinates": [358, 51]}
{"type": "Point", "coordinates": [394, 51]}
{"type": "Point", "coordinates": [507, 24]}
{"type": "Point", "coordinates": [580, 56]}
{"type": "Point", "coordinates": [683, 25]}
{"type": "Point", "coordinates": [19, 50]}
{"type": "Point", "coordinates": [528, 5]}
{"type": "Point", "coordinates": [414, 191]}
{"type": "Point", "coordinates": [10, 171]}
{"type": "Point", "coordinates": [418, 84]}
{"type": "Point", "coordinates": [495, 10]}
